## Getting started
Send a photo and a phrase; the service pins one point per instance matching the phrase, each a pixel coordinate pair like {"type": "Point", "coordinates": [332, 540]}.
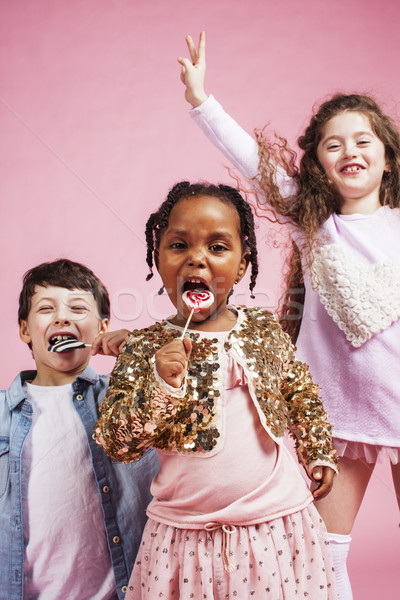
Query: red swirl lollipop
{"type": "Point", "coordinates": [196, 300]}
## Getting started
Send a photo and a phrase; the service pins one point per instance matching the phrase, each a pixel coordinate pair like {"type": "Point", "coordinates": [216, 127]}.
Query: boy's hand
{"type": "Point", "coordinates": [171, 361]}
{"type": "Point", "coordinates": [193, 71]}
{"type": "Point", "coordinates": [110, 343]}
{"type": "Point", "coordinates": [322, 478]}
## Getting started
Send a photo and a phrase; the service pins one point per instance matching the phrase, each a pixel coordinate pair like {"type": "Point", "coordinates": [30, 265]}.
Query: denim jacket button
{"type": "Point", "coordinates": [116, 539]}
{"type": "Point", "coordinates": [79, 397]}
{"type": "Point", "coordinates": [124, 588]}
{"type": "Point", "coordinates": [106, 489]}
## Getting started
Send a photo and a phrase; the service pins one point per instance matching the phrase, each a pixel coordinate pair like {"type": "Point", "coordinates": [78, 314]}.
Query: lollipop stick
{"type": "Point", "coordinates": [187, 323]}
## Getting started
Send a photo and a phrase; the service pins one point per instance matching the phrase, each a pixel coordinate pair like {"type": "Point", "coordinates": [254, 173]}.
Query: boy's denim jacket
{"type": "Point", "coordinates": [140, 410]}
{"type": "Point", "coordinates": [124, 490]}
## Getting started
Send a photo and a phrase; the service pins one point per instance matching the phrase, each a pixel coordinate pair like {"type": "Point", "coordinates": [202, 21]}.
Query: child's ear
{"type": "Point", "coordinates": [244, 262]}
{"type": "Point", "coordinates": [24, 332]}
{"type": "Point", "coordinates": [104, 325]}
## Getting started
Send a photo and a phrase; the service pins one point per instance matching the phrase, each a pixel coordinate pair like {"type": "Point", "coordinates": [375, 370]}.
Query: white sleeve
{"type": "Point", "coordinates": [235, 143]}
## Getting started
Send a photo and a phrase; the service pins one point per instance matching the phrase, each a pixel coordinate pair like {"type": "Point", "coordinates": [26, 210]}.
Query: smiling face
{"type": "Point", "coordinates": [201, 248]}
{"type": "Point", "coordinates": [353, 158]}
{"type": "Point", "coordinates": [57, 311]}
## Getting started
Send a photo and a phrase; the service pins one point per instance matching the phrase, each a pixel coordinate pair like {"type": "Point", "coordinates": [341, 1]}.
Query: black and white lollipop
{"type": "Point", "coordinates": [65, 343]}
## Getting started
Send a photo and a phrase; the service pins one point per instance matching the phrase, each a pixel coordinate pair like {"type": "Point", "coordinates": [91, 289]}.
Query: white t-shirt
{"type": "Point", "coordinates": [66, 553]}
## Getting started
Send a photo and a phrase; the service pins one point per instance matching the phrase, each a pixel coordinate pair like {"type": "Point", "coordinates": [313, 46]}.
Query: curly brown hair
{"type": "Point", "coordinates": [316, 199]}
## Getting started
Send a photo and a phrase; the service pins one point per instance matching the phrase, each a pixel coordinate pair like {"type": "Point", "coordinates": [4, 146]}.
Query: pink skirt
{"type": "Point", "coordinates": [278, 560]}
{"type": "Point", "coordinates": [370, 453]}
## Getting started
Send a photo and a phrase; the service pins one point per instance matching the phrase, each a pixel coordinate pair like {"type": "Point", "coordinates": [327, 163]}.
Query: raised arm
{"type": "Point", "coordinates": [193, 71]}
{"type": "Point", "coordinates": [236, 144]}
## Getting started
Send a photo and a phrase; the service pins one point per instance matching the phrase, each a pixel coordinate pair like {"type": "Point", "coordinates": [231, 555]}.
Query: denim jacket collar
{"type": "Point", "coordinates": [15, 393]}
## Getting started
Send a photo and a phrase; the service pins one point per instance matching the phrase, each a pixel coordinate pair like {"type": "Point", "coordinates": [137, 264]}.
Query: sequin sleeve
{"type": "Point", "coordinates": [283, 387]}
{"type": "Point", "coordinates": [136, 408]}
{"type": "Point", "coordinates": [307, 421]}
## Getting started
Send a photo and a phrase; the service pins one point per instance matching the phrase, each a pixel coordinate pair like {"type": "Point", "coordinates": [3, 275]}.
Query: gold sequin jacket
{"type": "Point", "coordinates": [138, 412]}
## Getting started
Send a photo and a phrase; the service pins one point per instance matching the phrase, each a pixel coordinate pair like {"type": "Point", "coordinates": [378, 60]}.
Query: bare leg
{"type": "Point", "coordinates": [340, 507]}
{"type": "Point", "coordinates": [339, 510]}
{"type": "Point", "coordinates": [396, 481]}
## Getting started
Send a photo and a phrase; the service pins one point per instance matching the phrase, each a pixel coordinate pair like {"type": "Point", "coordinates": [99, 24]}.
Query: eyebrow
{"type": "Point", "coordinates": [50, 299]}
{"type": "Point", "coordinates": [176, 231]}
{"type": "Point", "coordinates": [213, 234]}
{"type": "Point", "coordinates": [357, 133]}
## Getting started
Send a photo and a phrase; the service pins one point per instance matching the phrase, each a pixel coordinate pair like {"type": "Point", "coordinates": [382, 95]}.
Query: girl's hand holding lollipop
{"type": "Point", "coordinates": [171, 359]}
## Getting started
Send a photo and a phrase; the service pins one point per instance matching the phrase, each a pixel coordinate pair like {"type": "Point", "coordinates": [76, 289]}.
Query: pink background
{"type": "Point", "coordinates": [94, 131]}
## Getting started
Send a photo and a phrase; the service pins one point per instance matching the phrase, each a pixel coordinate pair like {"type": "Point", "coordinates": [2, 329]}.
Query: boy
{"type": "Point", "coordinates": [70, 518]}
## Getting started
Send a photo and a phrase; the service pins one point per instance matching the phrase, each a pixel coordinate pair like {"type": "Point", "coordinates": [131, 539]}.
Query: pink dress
{"type": "Point", "coordinates": [350, 330]}
{"type": "Point", "coordinates": [238, 524]}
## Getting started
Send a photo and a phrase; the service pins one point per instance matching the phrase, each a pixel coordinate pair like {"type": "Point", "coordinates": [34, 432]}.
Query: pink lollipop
{"type": "Point", "coordinates": [196, 300]}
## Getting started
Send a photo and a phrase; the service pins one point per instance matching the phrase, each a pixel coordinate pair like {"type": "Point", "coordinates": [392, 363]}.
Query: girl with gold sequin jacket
{"type": "Point", "coordinates": [230, 509]}
{"type": "Point", "coordinates": [341, 206]}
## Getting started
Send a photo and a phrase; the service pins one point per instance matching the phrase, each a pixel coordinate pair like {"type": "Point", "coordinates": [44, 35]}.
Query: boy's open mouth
{"type": "Point", "coordinates": [61, 337]}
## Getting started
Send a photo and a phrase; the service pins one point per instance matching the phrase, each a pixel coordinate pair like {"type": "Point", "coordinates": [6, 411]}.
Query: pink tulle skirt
{"type": "Point", "coordinates": [370, 453]}
{"type": "Point", "coordinates": [282, 559]}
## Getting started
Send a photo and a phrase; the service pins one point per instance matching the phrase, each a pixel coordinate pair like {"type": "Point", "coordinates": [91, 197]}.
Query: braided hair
{"type": "Point", "coordinates": [158, 221]}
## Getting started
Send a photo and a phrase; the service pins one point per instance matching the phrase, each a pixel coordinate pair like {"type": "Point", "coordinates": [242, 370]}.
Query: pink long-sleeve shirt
{"type": "Point", "coordinates": [350, 332]}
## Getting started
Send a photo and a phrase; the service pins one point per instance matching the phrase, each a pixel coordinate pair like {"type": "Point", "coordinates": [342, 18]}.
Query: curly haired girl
{"type": "Point", "coordinates": [342, 208]}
